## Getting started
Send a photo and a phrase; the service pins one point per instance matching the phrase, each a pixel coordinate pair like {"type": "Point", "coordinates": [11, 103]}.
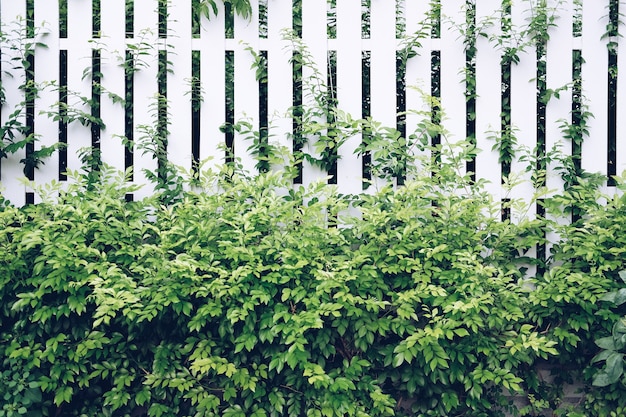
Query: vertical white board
{"type": "Point", "coordinates": [113, 26]}
{"type": "Point", "coordinates": [246, 85]}
{"type": "Point", "coordinates": [11, 170]}
{"type": "Point", "coordinates": [79, 50]}
{"type": "Point", "coordinates": [316, 40]}
{"type": "Point", "coordinates": [212, 78]}
{"type": "Point", "coordinates": [47, 72]}
{"type": "Point", "coordinates": [488, 89]}
{"type": "Point", "coordinates": [349, 91]}
{"type": "Point", "coordinates": [178, 83]}
{"type": "Point", "coordinates": [279, 72]}
{"type": "Point", "coordinates": [595, 72]}
{"type": "Point", "coordinates": [145, 89]}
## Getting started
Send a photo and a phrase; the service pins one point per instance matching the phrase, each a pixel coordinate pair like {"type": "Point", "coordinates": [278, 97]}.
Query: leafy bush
{"type": "Point", "coordinates": [249, 297]}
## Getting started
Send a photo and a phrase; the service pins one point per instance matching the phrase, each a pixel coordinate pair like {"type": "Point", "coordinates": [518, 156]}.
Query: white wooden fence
{"type": "Point", "coordinates": [68, 55]}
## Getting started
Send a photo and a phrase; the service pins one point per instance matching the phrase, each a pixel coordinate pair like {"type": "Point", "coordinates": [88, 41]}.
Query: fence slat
{"type": "Point", "coordinates": [452, 71]}
{"type": "Point", "coordinates": [523, 119]}
{"type": "Point", "coordinates": [279, 74]}
{"type": "Point", "coordinates": [78, 80]}
{"type": "Point", "coordinates": [13, 21]}
{"type": "Point", "coordinates": [383, 66]}
{"type": "Point", "coordinates": [349, 92]}
{"type": "Point", "coordinates": [488, 89]}
{"type": "Point", "coordinates": [212, 77]}
{"type": "Point", "coordinates": [246, 85]}
{"type": "Point", "coordinates": [178, 84]}
{"type": "Point", "coordinates": [418, 69]}
{"type": "Point", "coordinates": [595, 70]}
{"type": "Point", "coordinates": [47, 71]}
{"type": "Point", "coordinates": [315, 38]}
{"type": "Point", "coordinates": [435, 64]}
{"type": "Point", "coordinates": [145, 88]}
{"type": "Point", "coordinates": [113, 82]}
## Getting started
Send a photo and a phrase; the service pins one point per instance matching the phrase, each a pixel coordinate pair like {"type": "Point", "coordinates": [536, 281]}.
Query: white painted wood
{"type": "Point", "coordinates": [559, 74]}
{"type": "Point", "coordinates": [315, 38]}
{"type": "Point", "coordinates": [246, 85]}
{"type": "Point", "coordinates": [488, 88]}
{"type": "Point", "coordinates": [79, 32]}
{"type": "Point", "coordinates": [11, 170]}
{"type": "Point", "coordinates": [212, 78]}
{"type": "Point", "coordinates": [280, 74]}
{"type": "Point", "coordinates": [453, 72]}
{"type": "Point", "coordinates": [418, 71]}
{"type": "Point", "coordinates": [383, 68]}
{"type": "Point", "coordinates": [594, 148]}
{"type": "Point", "coordinates": [113, 27]}
{"type": "Point", "coordinates": [179, 149]}
{"type": "Point", "coordinates": [348, 46]}
{"type": "Point", "coordinates": [523, 116]}
{"type": "Point", "coordinates": [349, 92]}
{"type": "Point", "coordinates": [47, 73]}
{"type": "Point", "coordinates": [145, 89]}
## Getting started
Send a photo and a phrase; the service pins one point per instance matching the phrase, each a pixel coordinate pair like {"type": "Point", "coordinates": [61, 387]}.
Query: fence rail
{"type": "Point", "coordinates": [87, 74]}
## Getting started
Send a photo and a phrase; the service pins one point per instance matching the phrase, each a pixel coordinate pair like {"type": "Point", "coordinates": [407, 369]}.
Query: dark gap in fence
{"type": "Point", "coordinates": [163, 15]}
{"type": "Point", "coordinates": [2, 101]}
{"type": "Point", "coordinates": [331, 19]}
{"type": "Point", "coordinates": [129, 198]}
{"type": "Point", "coordinates": [505, 213]}
{"type": "Point", "coordinates": [366, 112]}
{"type": "Point", "coordinates": [506, 131]}
{"type": "Point", "coordinates": [129, 7]}
{"type": "Point", "coordinates": [263, 23]}
{"type": "Point", "coordinates": [612, 118]}
{"type": "Point", "coordinates": [29, 198]}
{"type": "Point", "coordinates": [577, 108]}
{"type": "Point", "coordinates": [332, 156]}
{"type": "Point", "coordinates": [577, 20]}
{"type": "Point", "coordinates": [63, 19]}
{"type": "Point", "coordinates": [162, 116]}
{"type": "Point", "coordinates": [229, 107]}
{"type": "Point", "coordinates": [541, 100]}
{"type": "Point", "coordinates": [229, 21]}
{"type": "Point", "coordinates": [435, 19]}
{"type": "Point", "coordinates": [264, 165]}
{"type": "Point", "coordinates": [506, 140]}
{"type": "Point", "coordinates": [435, 112]}
{"type": "Point", "coordinates": [95, 19]}
{"type": "Point", "coordinates": [96, 79]}
{"type": "Point", "coordinates": [30, 92]}
{"type": "Point", "coordinates": [470, 84]}
{"type": "Point", "coordinates": [613, 34]}
{"type": "Point", "coordinates": [297, 106]}
{"type": "Point", "coordinates": [401, 108]}
{"type": "Point", "coordinates": [296, 17]}
{"type": "Point", "coordinates": [196, 105]}
{"type": "Point", "coordinates": [129, 112]}
{"type": "Point", "coordinates": [94, 159]}
{"type": "Point", "coordinates": [30, 18]}
{"type": "Point", "coordinates": [540, 152]}
{"type": "Point", "coordinates": [63, 115]}
{"type": "Point", "coordinates": [366, 11]}
{"type": "Point", "coordinates": [196, 19]}
{"type": "Point", "coordinates": [541, 248]}
{"type": "Point", "coordinates": [30, 95]}
{"type": "Point", "coordinates": [400, 20]}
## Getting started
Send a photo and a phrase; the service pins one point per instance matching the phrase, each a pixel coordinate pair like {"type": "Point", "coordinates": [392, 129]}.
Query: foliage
{"type": "Point", "coordinates": [239, 299]}
{"type": "Point", "coordinates": [612, 346]}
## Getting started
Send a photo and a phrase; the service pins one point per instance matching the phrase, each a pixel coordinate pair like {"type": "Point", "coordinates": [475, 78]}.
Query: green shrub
{"type": "Point", "coordinates": [249, 297]}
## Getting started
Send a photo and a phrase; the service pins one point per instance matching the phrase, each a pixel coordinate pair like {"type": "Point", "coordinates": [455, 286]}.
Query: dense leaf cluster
{"type": "Point", "coordinates": [247, 297]}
